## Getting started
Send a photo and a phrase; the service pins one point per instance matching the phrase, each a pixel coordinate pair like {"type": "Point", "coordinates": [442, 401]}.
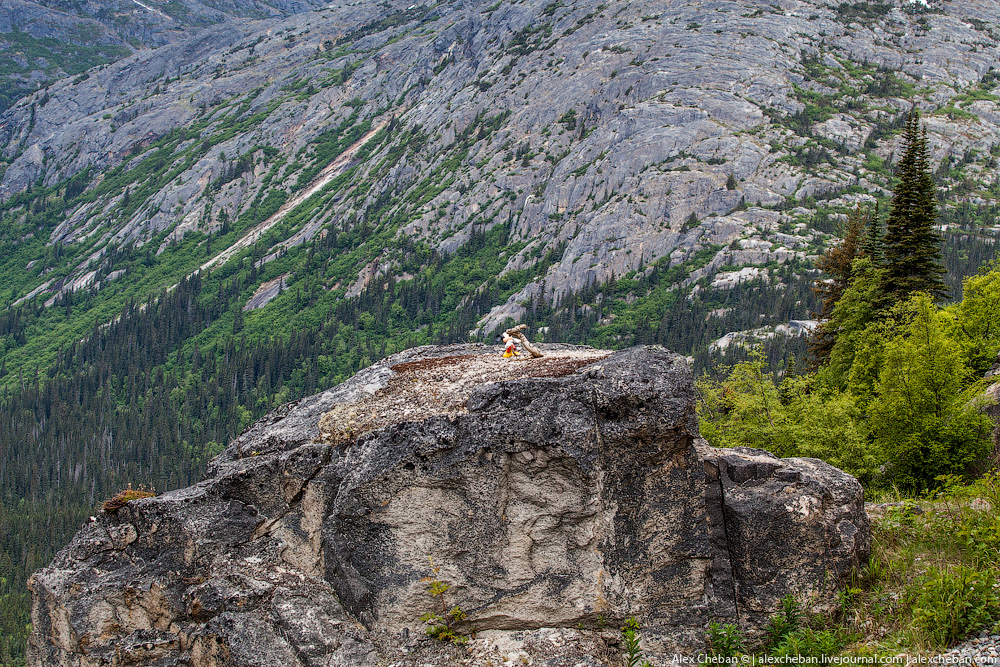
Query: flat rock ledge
{"type": "Point", "coordinates": [557, 496]}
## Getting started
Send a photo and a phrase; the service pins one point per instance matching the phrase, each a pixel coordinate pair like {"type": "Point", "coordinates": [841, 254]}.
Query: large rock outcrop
{"type": "Point", "coordinates": [568, 492]}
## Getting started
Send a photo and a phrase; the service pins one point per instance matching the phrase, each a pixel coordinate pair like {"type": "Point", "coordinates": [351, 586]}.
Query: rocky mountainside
{"type": "Point", "coordinates": [616, 136]}
{"type": "Point", "coordinates": [38, 45]}
{"type": "Point", "coordinates": [51, 39]}
{"type": "Point", "coordinates": [555, 496]}
{"type": "Point", "coordinates": [141, 24]}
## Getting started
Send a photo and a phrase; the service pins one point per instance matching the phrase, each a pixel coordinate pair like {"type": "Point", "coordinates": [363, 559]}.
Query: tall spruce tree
{"type": "Point", "coordinates": [912, 247]}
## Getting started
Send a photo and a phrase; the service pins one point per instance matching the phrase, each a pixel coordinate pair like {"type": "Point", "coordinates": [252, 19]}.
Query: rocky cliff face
{"type": "Point", "coordinates": [615, 135]}
{"type": "Point", "coordinates": [557, 496]}
{"type": "Point", "coordinates": [52, 39]}
{"type": "Point", "coordinates": [143, 24]}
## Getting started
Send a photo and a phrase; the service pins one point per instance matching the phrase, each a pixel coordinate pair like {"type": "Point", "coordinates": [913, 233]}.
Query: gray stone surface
{"type": "Point", "coordinates": [147, 24]}
{"type": "Point", "coordinates": [980, 651]}
{"type": "Point", "coordinates": [557, 496]}
{"type": "Point", "coordinates": [42, 22]}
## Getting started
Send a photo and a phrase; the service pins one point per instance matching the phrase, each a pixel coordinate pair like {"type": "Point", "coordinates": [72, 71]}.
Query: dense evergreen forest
{"type": "Point", "coordinates": [152, 396]}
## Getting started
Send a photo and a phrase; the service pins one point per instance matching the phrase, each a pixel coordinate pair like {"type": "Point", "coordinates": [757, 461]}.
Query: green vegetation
{"type": "Point", "coordinates": [895, 405]}
{"type": "Point", "coordinates": [896, 399]}
{"type": "Point", "coordinates": [632, 645]}
{"type": "Point", "coordinates": [394, 20]}
{"type": "Point", "coordinates": [786, 632]}
{"type": "Point", "coordinates": [855, 88]}
{"type": "Point", "coordinates": [329, 145]}
{"type": "Point", "coordinates": [530, 39]}
{"type": "Point", "coordinates": [976, 95]}
{"type": "Point", "coordinates": [863, 11]}
{"type": "Point", "coordinates": [442, 626]}
{"type": "Point", "coordinates": [658, 306]}
{"type": "Point", "coordinates": [921, 414]}
{"type": "Point", "coordinates": [569, 119]}
{"type": "Point", "coordinates": [862, 230]}
{"type": "Point", "coordinates": [912, 247]}
{"type": "Point", "coordinates": [798, 416]}
{"type": "Point", "coordinates": [23, 54]}
{"type": "Point", "coordinates": [953, 602]}
{"type": "Point", "coordinates": [724, 641]}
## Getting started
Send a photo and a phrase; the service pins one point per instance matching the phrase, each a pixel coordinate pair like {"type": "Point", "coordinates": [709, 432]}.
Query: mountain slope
{"type": "Point", "coordinates": [51, 39]}
{"type": "Point", "coordinates": [38, 44]}
{"type": "Point", "coordinates": [613, 130]}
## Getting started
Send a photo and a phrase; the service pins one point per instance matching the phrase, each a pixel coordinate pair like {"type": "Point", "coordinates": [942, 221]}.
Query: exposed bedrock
{"type": "Point", "coordinates": [565, 492]}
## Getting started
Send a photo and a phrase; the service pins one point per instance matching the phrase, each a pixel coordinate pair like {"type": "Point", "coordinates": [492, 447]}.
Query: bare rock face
{"type": "Point", "coordinates": [618, 135]}
{"type": "Point", "coordinates": [557, 496]}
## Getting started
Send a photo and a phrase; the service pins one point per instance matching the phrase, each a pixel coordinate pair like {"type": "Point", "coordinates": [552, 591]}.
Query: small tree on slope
{"type": "Point", "coordinates": [838, 263]}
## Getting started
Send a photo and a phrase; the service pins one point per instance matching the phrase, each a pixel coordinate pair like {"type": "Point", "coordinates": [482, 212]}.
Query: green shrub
{"type": "Point", "coordinates": [979, 525]}
{"type": "Point", "coordinates": [785, 622]}
{"type": "Point", "coordinates": [724, 640]}
{"type": "Point", "coordinates": [441, 626]}
{"type": "Point", "coordinates": [921, 419]}
{"type": "Point", "coordinates": [949, 604]}
{"type": "Point", "coordinates": [806, 642]}
{"type": "Point", "coordinates": [633, 651]}
{"type": "Point", "coordinates": [798, 417]}
{"type": "Point", "coordinates": [788, 635]}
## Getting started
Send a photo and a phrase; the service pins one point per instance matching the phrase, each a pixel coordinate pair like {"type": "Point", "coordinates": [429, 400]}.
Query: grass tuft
{"type": "Point", "coordinates": [127, 495]}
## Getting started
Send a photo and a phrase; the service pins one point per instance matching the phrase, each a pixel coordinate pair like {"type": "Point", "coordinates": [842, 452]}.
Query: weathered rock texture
{"type": "Point", "coordinates": [566, 492]}
{"type": "Point", "coordinates": [40, 40]}
{"type": "Point", "coordinates": [621, 134]}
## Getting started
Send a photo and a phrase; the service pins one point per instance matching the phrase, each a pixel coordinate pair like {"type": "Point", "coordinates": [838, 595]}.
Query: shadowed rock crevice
{"type": "Point", "coordinates": [568, 492]}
